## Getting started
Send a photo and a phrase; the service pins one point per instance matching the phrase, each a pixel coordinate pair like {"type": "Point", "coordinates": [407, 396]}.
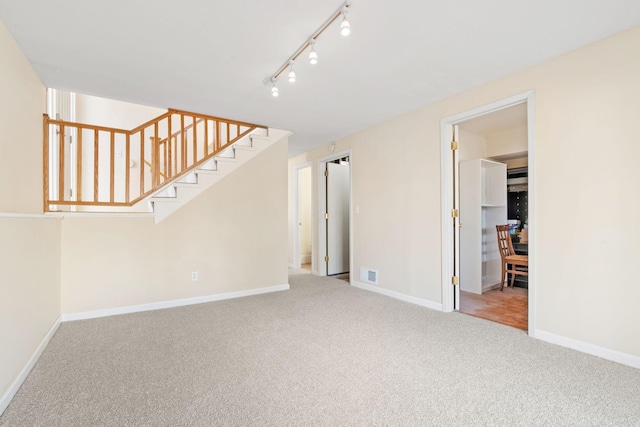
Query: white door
{"type": "Point", "coordinates": [337, 178]}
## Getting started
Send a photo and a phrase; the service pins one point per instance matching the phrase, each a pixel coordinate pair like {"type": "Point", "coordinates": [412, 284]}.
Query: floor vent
{"type": "Point", "coordinates": [368, 275]}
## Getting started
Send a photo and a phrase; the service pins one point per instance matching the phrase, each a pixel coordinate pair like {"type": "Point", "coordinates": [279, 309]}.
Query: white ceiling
{"type": "Point", "coordinates": [211, 56]}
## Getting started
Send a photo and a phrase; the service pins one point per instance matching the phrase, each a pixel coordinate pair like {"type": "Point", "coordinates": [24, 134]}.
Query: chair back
{"type": "Point", "coordinates": [504, 241]}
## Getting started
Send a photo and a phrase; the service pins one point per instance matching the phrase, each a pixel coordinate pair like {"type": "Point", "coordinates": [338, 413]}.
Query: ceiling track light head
{"type": "Point", "coordinates": [345, 27]}
{"type": "Point", "coordinates": [313, 55]}
{"type": "Point", "coordinates": [274, 89]}
{"type": "Point", "coordinates": [292, 74]}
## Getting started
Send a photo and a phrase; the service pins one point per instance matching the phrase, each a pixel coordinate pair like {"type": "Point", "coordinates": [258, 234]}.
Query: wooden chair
{"type": "Point", "coordinates": [519, 263]}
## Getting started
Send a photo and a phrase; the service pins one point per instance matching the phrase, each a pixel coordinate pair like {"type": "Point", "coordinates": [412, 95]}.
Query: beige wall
{"type": "Point", "coordinates": [520, 162]}
{"type": "Point", "coordinates": [587, 102]}
{"type": "Point", "coordinates": [471, 146]}
{"type": "Point", "coordinates": [111, 113]}
{"type": "Point", "coordinates": [507, 142]}
{"type": "Point", "coordinates": [234, 235]}
{"type": "Point", "coordinates": [29, 289]}
{"type": "Point", "coordinates": [29, 245]}
{"type": "Point", "coordinates": [22, 103]}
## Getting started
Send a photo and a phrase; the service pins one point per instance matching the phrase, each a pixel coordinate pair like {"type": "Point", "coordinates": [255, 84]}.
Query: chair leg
{"type": "Point", "coordinates": [502, 277]}
{"type": "Point", "coordinates": [513, 277]}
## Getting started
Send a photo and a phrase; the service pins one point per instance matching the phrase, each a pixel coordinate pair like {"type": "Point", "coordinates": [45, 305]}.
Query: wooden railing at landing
{"type": "Point", "coordinates": [87, 166]}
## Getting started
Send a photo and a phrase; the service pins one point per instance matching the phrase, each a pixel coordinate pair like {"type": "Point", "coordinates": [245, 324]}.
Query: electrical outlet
{"type": "Point", "coordinates": [194, 276]}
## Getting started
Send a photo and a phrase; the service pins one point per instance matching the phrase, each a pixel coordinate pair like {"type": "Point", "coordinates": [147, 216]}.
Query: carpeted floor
{"type": "Point", "coordinates": [323, 353]}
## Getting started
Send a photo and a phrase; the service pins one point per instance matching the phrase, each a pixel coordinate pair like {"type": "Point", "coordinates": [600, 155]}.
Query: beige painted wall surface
{"type": "Point", "coordinates": [111, 113]}
{"type": "Point", "coordinates": [520, 162]}
{"type": "Point", "coordinates": [22, 103]}
{"type": "Point", "coordinates": [234, 235]}
{"type": "Point", "coordinates": [29, 289]}
{"type": "Point", "coordinates": [586, 105]}
{"type": "Point", "coordinates": [471, 146]}
{"type": "Point", "coordinates": [30, 247]}
{"type": "Point", "coordinates": [507, 141]}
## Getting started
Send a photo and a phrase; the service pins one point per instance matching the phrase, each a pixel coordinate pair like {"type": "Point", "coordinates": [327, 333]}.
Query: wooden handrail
{"type": "Point", "coordinates": [216, 119]}
{"type": "Point", "coordinates": [112, 186]}
{"type": "Point", "coordinates": [152, 121]}
{"type": "Point", "coordinates": [84, 125]}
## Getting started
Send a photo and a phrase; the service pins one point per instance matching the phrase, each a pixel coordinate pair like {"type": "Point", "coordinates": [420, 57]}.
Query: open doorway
{"type": "Point", "coordinates": [334, 225]}
{"type": "Point", "coordinates": [303, 233]}
{"type": "Point", "coordinates": [493, 142]}
{"type": "Point", "coordinates": [490, 148]}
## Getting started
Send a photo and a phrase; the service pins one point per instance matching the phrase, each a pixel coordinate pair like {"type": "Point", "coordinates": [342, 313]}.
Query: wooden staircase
{"type": "Point", "coordinates": [156, 167]}
{"type": "Point", "coordinates": [180, 192]}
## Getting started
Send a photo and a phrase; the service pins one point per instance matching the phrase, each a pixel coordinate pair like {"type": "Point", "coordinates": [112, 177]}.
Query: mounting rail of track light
{"type": "Point", "coordinates": [345, 30]}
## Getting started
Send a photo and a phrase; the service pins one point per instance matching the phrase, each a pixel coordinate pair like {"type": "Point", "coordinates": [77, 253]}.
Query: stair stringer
{"type": "Point", "coordinates": [173, 196]}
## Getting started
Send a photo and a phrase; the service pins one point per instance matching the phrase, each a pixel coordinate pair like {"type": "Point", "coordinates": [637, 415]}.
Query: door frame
{"type": "Point", "coordinates": [296, 216]}
{"type": "Point", "coordinates": [322, 208]}
{"type": "Point", "coordinates": [447, 197]}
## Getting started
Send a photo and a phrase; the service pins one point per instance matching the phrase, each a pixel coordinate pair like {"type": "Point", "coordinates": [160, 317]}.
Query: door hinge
{"type": "Point", "coordinates": [326, 173]}
{"type": "Point", "coordinates": [326, 258]}
{"type": "Point", "coordinates": [455, 280]}
{"type": "Point", "coordinates": [454, 145]}
{"type": "Point", "coordinates": [454, 213]}
{"type": "Point", "coordinates": [326, 215]}
{"type": "Point", "coordinates": [70, 192]}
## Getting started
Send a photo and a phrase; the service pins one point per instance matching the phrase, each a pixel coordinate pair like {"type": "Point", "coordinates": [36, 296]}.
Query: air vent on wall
{"type": "Point", "coordinates": [368, 275]}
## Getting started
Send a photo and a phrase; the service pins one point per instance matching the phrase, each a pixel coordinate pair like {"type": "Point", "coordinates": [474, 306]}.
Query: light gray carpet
{"type": "Point", "coordinates": [323, 353]}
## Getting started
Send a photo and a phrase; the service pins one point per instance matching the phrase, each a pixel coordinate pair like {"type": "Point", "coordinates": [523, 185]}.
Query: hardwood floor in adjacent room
{"type": "Point", "coordinates": [509, 307]}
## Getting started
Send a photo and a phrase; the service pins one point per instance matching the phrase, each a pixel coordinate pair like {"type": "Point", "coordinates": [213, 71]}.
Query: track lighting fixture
{"type": "Point", "coordinates": [345, 27]}
{"type": "Point", "coordinates": [313, 56]}
{"type": "Point", "coordinates": [345, 30]}
{"type": "Point", "coordinates": [292, 74]}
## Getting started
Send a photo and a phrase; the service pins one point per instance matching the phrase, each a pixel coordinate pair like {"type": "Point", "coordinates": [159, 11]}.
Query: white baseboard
{"type": "Point", "coordinates": [13, 389]}
{"type": "Point", "coordinates": [305, 259]}
{"type": "Point", "coordinates": [486, 288]}
{"type": "Point", "coordinates": [170, 304]}
{"type": "Point", "coordinates": [27, 215]}
{"type": "Point", "coordinates": [585, 347]}
{"type": "Point", "coordinates": [397, 295]}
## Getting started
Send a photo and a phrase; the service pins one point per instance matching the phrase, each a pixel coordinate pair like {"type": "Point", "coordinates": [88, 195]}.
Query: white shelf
{"type": "Point", "coordinates": [483, 205]}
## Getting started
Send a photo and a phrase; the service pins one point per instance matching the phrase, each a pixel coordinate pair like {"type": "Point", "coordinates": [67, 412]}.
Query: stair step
{"type": "Point", "coordinates": [165, 199]}
{"type": "Point", "coordinates": [226, 159]}
{"type": "Point", "coordinates": [243, 147]}
{"type": "Point", "coordinates": [262, 137]}
{"type": "Point", "coordinates": [207, 172]}
{"type": "Point", "coordinates": [179, 184]}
